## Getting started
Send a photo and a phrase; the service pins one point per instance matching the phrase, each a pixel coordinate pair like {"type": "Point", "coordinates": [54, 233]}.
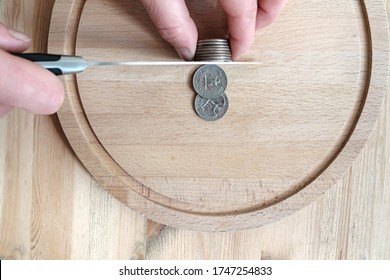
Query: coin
{"type": "Point", "coordinates": [210, 81]}
{"type": "Point", "coordinates": [212, 58]}
{"type": "Point", "coordinates": [217, 50]}
{"type": "Point", "coordinates": [213, 41]}
{"type": "Point", "coordinates": [211, 109]}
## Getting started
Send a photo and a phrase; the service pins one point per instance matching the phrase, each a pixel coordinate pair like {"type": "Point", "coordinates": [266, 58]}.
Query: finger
{"type": "Point", "coordinates": [241, 16]}
{"type": "Point", "coordinates": [28, 86]}
{"type": "Point", "coordinates": [4, 110]}
{"type": "Point", "coordinates": [13, 41]}
{"type": "Point", "coordinates": [268, 12]}
{"type": "Point", "coordinates": [175, 25]}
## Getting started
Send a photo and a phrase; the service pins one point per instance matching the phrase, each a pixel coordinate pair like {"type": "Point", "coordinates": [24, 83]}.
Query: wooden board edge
{"type": "Point", "coordinates": [144, 201]}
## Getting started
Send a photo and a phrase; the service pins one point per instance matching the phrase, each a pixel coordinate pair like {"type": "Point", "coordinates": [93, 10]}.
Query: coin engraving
{"type": "Point", "coordinates": [211, 109]}
{"type": "Point", "coordinates": [210, 81]}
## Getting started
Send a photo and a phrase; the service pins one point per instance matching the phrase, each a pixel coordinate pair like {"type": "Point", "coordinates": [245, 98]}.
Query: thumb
{"type": "Point", "coordinates": [175, 25]}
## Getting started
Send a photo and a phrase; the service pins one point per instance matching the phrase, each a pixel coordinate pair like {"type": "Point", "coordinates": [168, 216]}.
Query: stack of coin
{"type": "Point", "coordinates": [210, 81]}
{"type": "Point", "coordinates": [213, 50]}
{"type": "Point", "coordinates": [211, 102]}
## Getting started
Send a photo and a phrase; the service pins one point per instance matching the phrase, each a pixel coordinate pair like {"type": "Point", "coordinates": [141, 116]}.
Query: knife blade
{"type": "Point", "coordinates": [70, 64]}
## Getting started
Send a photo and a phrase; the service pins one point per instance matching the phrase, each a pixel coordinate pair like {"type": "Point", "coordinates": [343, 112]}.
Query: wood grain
{"type": "Point", "coordinates": [349, 222]}
{"type": "Point", "coordinates": [51, 208]}
{"type": "Point", "coordinates": [295, 124]}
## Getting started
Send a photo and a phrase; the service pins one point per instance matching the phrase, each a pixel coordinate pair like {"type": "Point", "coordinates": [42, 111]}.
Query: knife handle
{"type": "Point", "coordinates": [57, 64]}
{"type": "Point", "coordinates": [41, 57]}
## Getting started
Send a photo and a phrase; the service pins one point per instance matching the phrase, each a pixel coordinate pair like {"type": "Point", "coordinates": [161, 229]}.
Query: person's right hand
{"type": "Point", "coordinates": [176, 26]}
{"type": "Point", "coordinates": [24, 84]}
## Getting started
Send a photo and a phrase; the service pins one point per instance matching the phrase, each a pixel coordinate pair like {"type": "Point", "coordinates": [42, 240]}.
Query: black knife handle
{"type": "Point", "coordinates": [42, 57]}
{"type": "Point", "coordinates": [36, 57]}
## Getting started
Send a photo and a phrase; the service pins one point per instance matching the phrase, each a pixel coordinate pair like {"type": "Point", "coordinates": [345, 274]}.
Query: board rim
{"type": "Point", "coordinates": [138, 197]}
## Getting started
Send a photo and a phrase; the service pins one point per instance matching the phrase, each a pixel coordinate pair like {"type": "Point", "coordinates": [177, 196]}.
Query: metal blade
{"type": "Point", "coordinates": [170, 63]}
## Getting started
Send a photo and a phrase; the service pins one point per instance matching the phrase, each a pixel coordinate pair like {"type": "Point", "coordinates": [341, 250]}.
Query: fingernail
{"type": "Point", "coordinates": [18, 35]}
{"type": "Point", "coordinates": [185, 53]}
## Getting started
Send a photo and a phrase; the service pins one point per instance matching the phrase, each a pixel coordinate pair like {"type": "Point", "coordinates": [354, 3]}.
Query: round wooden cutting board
{"type": "Point", "coordinates": [296, 121]}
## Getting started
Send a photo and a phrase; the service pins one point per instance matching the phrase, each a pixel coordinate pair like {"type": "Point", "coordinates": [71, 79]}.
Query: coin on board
{"type": "Point", "coordinates": [211, 109]}
{"type": "Point", "coordinates": [210, 81]}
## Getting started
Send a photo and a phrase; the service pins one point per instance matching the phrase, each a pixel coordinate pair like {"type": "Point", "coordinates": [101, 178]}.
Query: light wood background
{"type": "Point", "coordinates": [51, 208]}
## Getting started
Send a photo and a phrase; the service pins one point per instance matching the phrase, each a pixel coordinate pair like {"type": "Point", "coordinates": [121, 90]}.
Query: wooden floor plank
{"type": "Point", "coordinates": [51, 208]}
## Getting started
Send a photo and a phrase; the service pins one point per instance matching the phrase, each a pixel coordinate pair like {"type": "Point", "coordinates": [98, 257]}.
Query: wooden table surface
{"type": "Point", "coordinates": [51, 208]}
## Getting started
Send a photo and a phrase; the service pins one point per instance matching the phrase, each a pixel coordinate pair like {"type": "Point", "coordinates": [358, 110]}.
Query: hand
{"type": "Point", "coordinates": [22, 83]}
{"type": "Point", "coordinates": [175, 24]}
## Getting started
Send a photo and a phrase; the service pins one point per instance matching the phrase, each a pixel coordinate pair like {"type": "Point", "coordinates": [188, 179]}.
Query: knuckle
{"type": "Point", "coordinates": [172, 32]}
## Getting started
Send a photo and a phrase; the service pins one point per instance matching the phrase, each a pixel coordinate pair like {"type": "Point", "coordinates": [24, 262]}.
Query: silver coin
{"type": "Point", "coordinates": [204, 46]}
{"type": "Point", "coordinates": [214, 44]}
{"type": "Point", "coordinates": [211, 109]}
{"type": "Point", "coordinates": [210, 81]}
{"type": "Point", "coordinates": [211, 53]}
{"type": "Point", "coordinates": [204, 59]}
{"type": "Point", "coordinates": [213, 56]}
{"type": "Point", "coordinates": [213, 41]}
{"type": "Point", "coordinates": [213, 50]}
{"type": "Point", "coordinates": [214, 59]}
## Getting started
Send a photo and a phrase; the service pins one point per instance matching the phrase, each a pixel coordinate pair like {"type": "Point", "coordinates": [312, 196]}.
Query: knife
{"type": "Point", "coordinates": [70, 64]}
